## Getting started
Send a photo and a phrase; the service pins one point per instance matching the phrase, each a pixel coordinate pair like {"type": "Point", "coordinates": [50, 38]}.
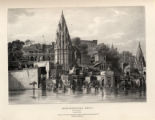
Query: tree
{"type": "Point", "coordinates": [15, 50]}
{"type": "Point", "coordinates": [112, 56]}
{"type": "Point", "coordinates": [28, 42]}
{"type": "Point", "coordinates": [76, 41]}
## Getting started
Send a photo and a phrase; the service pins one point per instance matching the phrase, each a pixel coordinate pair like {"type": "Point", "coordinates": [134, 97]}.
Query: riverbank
{"type": "Point", "coordinates": [74, 97]}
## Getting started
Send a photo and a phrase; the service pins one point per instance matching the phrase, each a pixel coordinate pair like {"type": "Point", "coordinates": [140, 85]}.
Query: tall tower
{"type": "Point", "coordinates": [140, 60]}
{"type": "Point", "coordinates": [63, 47]}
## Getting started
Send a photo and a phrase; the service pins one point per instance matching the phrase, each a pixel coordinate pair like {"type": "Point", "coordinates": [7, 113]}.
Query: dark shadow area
{"type": "Point", "coordinates": [14, 84]}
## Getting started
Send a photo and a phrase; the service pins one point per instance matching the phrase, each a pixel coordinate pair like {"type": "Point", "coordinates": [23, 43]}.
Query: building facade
{"type": "Point", "coordinates": [100, 61]}
{"type": "Point", "coordinates": [91, 45]}
{"type": "Point", "coordinates": [38, 52]}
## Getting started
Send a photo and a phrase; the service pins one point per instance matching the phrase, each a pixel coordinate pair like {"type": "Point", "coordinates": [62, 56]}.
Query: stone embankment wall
{"type": "Point", "coordinates": [21, 79]}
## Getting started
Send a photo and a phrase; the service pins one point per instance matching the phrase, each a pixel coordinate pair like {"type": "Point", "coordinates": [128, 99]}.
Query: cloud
{"type": "Point", "coordinates": [117, 35]}
{"type": "Point", "coordinates": [119, 13]}
{"type": "Point", "coordinates": [14, 14]}
{"type": "Point", "coordinates": [122, 26]}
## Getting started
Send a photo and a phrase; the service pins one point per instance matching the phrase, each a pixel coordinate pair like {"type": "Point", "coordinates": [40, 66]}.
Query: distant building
{"type": "Point", "coordinates": [100, 61]}
{"type": "Point", "coordinates": [28, 43]}
{"type": "Point", "coordinates": [140, 60]}
{"type": "Point", "coordinates": [91, 45]}
{"type": "Point", "coordinates": [99, 58]}
{"type": "Point", "coordinates": [85, 60]}
{"type": "Point", "coordinates": [38, 52]}
{"type": "Point", "coordinates": [130, 63]}
{"type": "Point", "coordinates": [127, 61]}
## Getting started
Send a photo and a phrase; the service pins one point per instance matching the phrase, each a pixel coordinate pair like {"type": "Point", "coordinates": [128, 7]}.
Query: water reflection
{"type": "Point", "coordinates": [84, 95]}
{"type": "Point", "coordinates": [34, 96]}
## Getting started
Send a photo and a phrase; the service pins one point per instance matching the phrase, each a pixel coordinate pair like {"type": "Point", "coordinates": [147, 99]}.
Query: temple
{"type": "Point", "coordinates": [63, 48]}
{"type": "Point", "coordinates": [140, 60]}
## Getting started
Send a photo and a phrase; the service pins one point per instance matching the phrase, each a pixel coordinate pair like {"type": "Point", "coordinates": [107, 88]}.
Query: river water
{"type": "Point", "coordinates": [69, 96]}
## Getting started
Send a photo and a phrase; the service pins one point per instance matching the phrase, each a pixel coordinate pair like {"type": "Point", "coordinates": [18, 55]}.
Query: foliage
{"type": "Point", "coordinates": [76, 41]}
{"type": "Point", "coordinates": [112, 55]}
{"type": "Point", "coordinates": [15, 50]}
{"type": "Point", "coordinates": [28, 41]}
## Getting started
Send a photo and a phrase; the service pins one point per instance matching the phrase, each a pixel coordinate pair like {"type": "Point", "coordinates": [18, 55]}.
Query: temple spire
{"type": "Point", "coordinates": [63, 44]}
{"type": "Point", "coordinates": [62, 19]}
{"type": "Point", "coordinates": [140, 58]}
{"type": "Point", "coordinates": [62, 14]}
{"type": "Point", "coordinates": [139, 50]}
{"type": "Point", "coordinates": [112, 46]}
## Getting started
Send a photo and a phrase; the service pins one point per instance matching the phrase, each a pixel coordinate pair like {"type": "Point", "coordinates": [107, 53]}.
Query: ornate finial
{"type": "Point", "coordinates": [112, 46]}
{"type": "Point", "coordinates": [62, 20]}
{"type": "Point", "coordinates": [139, 44]}
{"type": "Point", "coordinates": [62, 12]}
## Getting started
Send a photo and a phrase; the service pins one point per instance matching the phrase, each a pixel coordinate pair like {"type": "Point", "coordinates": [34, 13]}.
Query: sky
{"type": "Point", "coordinates": [124, 27]}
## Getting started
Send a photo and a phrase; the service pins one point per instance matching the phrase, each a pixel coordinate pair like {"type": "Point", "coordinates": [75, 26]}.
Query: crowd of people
{"type": "Point", "coordinates": [127, 83]}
